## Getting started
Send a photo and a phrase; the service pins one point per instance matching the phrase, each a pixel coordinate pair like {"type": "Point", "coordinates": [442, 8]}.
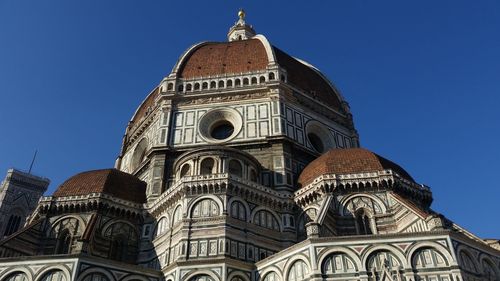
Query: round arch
{"type": "Point", "coordinates": [111, 222]}
{"type": "Point", "coordinates": [289, 264]}
{"type": "Point", "coordinates": [338, 249]}
{"type": "Point", "coordinates": [81, 221]}
{"type": "Point", "coordinates": [45, 270]}
{"type": "Point", "coordinates": [484, 259]}
{"type": "Point", "coordinates": [272, 269]}
{"type": "Point", "coordinates": [216, 162]}
{"type": "Point", "coordinates": [462, 248]}
{"type": "Point", "coordinates": [237, 274]}
{"type": "Point", "coordinates": [14, 269]}
{"type": "Point", "coordinates": [157, 223]}
{"type": "Point", "coordinates": [95, 270]}
{"type": "Point", "coordinates": [209, 196]}
{"type": "Point", "coordinates": [210, 273]}
{"type": "Point", "coordinates": [343, 202]}
{"type": "Point", "coordinates": [303, 213]}
{"type": "Point", "coordinates": [276, 216]}
{"type": "Point", "coordinates": [178, 208]}
{"type": "Point", "coordinates": [138, 154]}
{"type": "Point", "coordinates": [393, 250]}
{"type": "Point", "coordinates": [134, 277]}
{"type": "Point", "coordinates": [245, 204]}
{"type": "Point", "coordinates": [180, 168]}
{"type": "Point", "coordinates": [428, 244]}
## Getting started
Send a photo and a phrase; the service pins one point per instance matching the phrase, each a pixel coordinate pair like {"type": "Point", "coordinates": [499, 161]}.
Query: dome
{"type": "Point", "coordinates": [210, 59]}
{"type": "Point", "coordinates": [348, 161]}
{"type": "Point", "coordinates": [109, 181]}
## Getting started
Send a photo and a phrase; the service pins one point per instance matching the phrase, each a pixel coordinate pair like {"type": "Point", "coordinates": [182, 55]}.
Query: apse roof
{"type": "Point", "coordinates": [109, 181]}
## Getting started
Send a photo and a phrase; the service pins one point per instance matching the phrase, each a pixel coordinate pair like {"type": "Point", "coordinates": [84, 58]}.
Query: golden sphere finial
{"type": "Point", "coordinates": [241, 14]}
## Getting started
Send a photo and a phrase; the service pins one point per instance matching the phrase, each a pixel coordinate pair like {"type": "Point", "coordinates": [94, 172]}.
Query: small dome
{"type": "Point", "coordinates": [109, 181]}
{"type": "Point", "coordinates": [348, 161]}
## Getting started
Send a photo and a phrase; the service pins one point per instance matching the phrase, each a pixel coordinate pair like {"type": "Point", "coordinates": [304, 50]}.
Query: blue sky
{"type": "Point", "coordinates": [422, 79]}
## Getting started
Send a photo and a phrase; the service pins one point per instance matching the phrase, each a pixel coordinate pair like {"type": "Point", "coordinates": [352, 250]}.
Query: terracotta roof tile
{"type": "Point", "coordinates": [146, 105]}
{"type": "Point", "coordinates": [225, 57]}
{"type": "Point", "coordinates": [348, 161]}
{"type": "Point", "coordinates": [307, 79]}
{"type": "Point", "coordinates": [109, 181]}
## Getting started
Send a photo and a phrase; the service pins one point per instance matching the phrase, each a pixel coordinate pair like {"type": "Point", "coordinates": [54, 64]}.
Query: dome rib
{"type": "Point", "coordinates": [307, 79]}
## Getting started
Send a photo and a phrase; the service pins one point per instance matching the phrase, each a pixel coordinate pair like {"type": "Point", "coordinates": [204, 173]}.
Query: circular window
{"type": "Point", "coordinates": [222, 130]}
{"type": "Point", "coordinates": [319, 136]}
{"type": "Point", "coordinates": [316, 142]}
{"type": "Point", "coordinates": [220, 125]}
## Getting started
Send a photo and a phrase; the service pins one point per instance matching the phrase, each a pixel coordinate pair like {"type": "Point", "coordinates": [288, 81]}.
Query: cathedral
{"type": "Point", "coordinates": [244, 164]}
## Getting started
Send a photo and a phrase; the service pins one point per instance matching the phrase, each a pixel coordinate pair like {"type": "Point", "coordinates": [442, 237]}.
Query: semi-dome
{"type": "Point", "coordinates": [108, 181]}
{"type": "Point", "coordinates": [348, 161]}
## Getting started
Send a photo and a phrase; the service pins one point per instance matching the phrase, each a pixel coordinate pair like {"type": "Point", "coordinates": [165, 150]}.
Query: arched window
{"type": "Point", "coordinates": [207, 166]}
{"type": "Point", "coordinates": [185, 170]}
{"type": "Point", "coordinates": [338, 263]}
{"type": "Point", "coordinates": [229, 83]}
{"type": "Point", "coordinates": [139, 154]}
{"type": "Point", "coordinates": [118, 249]}
{"type": "Point", "coordinates": [489, 272]}
{"type": "Point", "coordinates": [205, 208]}
{"type": "Point", "coordinates": [238, 211]}
{"type": "Point", "coordinates": [16, 276]}
{"type": "Point", "coordinates": [161, 227]}
{"type": "Point", "coordinates": [123, 242]}
{"type": "Point", "coordinates": [266, 219]}
{"type": "Point", "coordinates": [271, 76]}
{"type": "Point", "coordinates": [298, 271]}
{"type": "Point", "coordinates": [95, 276]}
{"type": "Point", "coordinates": [177, 217]}
{"type": "Point", "coordinates": [254, 80]}
{"type": "Point", "coordinates": [196, 86]}
{"type": "Point", "coordinates": [467, 263]}
{"type": "Point", "coordinates": [271, 276]}
{"type": "Point", "coordinates": [427, 258]}
{"type": "Point", "coordinates": [253, 176]}
{"type": "Point", "coordinates": [245, 81]}
{"type": "Point", "coordinates": [189, 87]}
{"type": "Point", "coordinates": [221, 84]}
{"type": "Point", "coordinates": [64, 232]}
{"type": "Point", "coordinates": [262, 79]}
{"type": "Point", "coordinates": [63, 245]}
{"type": "Point", "coordinates": [53, 275]}
{"type": "Point", "coordinates": [380, 262]}
{"type": "Point", "coordinates": [204, 85]}
{"type": "Point", "coordinates": [170, 86]}
{"type": "Point", "coordinates": [363, 222]}
{"type": "Point", "coordinates": [237, 82]}
{"type": "Point", "coordinates": [180, 88]}
{"type": "Point", "coordinates": [235, 168]}
{"type": "Point", "coordinates": [213, 85]}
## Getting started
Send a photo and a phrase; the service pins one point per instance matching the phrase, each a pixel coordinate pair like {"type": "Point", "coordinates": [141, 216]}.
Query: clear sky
{"type": "Point", "coordinates": [422, 79]}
